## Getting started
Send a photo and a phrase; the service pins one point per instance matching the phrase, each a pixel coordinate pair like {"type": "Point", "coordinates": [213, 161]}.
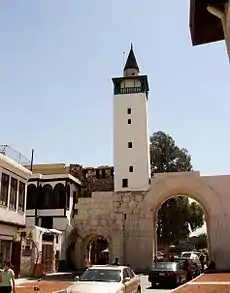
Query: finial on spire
{"type": "Point", "coordinates": [131, 62]}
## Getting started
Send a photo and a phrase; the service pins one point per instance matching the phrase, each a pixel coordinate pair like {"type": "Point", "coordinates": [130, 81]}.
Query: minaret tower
{"type": "Point", "coordinates": [131, 136]}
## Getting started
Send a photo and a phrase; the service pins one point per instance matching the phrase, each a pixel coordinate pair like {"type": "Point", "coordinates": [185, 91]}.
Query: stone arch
{"type": "Point", "coordinates": [31, 196]}
{"type": "Point", "coordinates": [59, 194]}
{"type": "Point", "coordinates": [91, 238]}
{"type": "Point", "coordinates": [47, 199]}
{"type": "Point", "coordinates": [189, 184]}
{"type": "Point", "coordinates": [83, 241]}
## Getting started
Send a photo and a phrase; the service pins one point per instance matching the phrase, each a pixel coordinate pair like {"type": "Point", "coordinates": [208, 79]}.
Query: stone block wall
{"type": "Point", "coordinates": [121, 218]}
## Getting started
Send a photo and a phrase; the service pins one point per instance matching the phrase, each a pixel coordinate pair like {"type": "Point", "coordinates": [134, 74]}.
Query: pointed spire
{"type": "Point", "coordinates": [131, 62]}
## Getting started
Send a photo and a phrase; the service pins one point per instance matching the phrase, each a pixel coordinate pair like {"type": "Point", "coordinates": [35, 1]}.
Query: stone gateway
{"type": "Point", "coordinates": [128, 219]}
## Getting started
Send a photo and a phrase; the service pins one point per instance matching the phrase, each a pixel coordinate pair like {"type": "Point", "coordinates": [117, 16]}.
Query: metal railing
{"type": "Point", "coordinates": [14, 155]}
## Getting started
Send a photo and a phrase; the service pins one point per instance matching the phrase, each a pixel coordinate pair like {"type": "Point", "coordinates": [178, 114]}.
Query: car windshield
{"type": "Point", "coordinates": [101, 275]}
{"type": "Point", "coordinates": [168, 266]}
{"type": "Point", "coordinates": [187, 254]}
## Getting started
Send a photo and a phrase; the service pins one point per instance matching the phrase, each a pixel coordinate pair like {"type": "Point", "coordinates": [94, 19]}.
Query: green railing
{"type": "Point", "coordinates": [130, 90]}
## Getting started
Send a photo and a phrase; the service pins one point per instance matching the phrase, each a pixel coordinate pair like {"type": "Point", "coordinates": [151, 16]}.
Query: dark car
{"type": "Point", "coordinates": [167, 273]}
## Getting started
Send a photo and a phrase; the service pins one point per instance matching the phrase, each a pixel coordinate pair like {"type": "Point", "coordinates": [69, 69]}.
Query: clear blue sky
{"type": "Point", "coordinates": [57, 59]}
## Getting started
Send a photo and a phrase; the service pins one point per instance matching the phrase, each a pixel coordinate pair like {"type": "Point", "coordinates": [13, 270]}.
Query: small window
{"type": "Point", "coordinates": [130, 273]}
{"type": "Point", "coordinates": [129, 121]}
{"type": "Point", "coordinates": [47, 222]}
{"type": "Point", "coordinates": [125, 274]}
{"type": "Point", "coordinates": [130, 144]}
{"type": "Point", "coordinates": [97, 173]}
{"type": "Point", "coordinates": [13, 193]}
{"type": "Point", "coordinates": [124, 182]}
{"type": "Point", "coordinates": [103, 174]}
{"type": "Point", "coordinates": [129, 111]}
{"type": "Point", "coordinates": [131, 169]}
{"type": "Point", "coordinates": [21, 197]}
{"type": "Point", "coordinates": [4, 189]}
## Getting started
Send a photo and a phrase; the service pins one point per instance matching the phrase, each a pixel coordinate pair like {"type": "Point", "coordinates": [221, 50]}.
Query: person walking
{"type": "Point", "coordinates": [155, 259]}
{"type": "Point", "coordinates": [7, 279]}
{"type": "Point", "coordinates": [202, 261]}
{"type": "Point", "coordinates": [1, 261]}
{"type": "Point", "coordinates": [86, 263]}
{"type": "Point", "coordinates": [116, 261]}
{"type": "Point", "coordinates": [187, 269]}
{"type": "Point", "coordinates": [172, 258]}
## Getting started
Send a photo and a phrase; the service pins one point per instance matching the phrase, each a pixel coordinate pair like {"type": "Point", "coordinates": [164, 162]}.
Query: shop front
{"type": "Point", "coordinates": [8, 235]}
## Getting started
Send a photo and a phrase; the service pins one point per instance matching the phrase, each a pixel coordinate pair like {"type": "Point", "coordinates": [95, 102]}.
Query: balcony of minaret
{"type": "Point", "coordinates": [130, 85]}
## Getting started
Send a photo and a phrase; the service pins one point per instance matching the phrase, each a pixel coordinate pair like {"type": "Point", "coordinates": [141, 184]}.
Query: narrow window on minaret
{"type": "Point", "coordinates": [130, 144]}
{"type": "Point", "coordinates": [131, 169]}
{"type": "Point", "coordinates": [129, 111]}
{"type": "Point", "coordinates": [129, 121]}
{"type": "Point", "coordinates": [124, 182]}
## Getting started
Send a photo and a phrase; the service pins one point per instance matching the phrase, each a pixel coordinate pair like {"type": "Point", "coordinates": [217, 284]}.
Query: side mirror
{"type": "Point", "coordinates": [126, 279]}
{"type": "Point", "coordinates": [76, 278]}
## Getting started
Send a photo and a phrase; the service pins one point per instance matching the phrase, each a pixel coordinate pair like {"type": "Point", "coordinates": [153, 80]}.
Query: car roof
{"type": "Point", "coordinates": [107, 267]}
{"type": "Point", "coordinates": [166, 262]}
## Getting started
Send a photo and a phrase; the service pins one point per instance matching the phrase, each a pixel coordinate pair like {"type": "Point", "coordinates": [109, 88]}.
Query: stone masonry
{"type": "Point", "coordinates": [122, 220]}
{"type": "Point", "coordinates": [128, 219]}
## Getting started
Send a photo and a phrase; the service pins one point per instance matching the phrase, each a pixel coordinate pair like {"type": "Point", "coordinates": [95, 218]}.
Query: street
{"type": "Point", "coordinates": [146, 287]}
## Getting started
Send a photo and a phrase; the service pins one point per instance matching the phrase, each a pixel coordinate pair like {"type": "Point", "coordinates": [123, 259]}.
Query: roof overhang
{"type": "Point", "coordinates": [204, 27]}
{"type": "Point", "coordinates": [54, 177]}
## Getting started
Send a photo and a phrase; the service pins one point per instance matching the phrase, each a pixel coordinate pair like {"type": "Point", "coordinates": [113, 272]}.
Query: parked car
{"type": "Point", "coordinates": [107, 278]}
{"type": "Point", "coordinates": [159, 254]}
{"type": "Point", "coordinates": [167, 273]}
{"type": "Point", "coordinates": [191, 255]}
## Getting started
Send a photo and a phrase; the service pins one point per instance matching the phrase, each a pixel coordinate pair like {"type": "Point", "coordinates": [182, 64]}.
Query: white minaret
{"type": "Point", "coordinates": [131, 136]}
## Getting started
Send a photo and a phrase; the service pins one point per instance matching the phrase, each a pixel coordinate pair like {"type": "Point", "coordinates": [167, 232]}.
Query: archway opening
{"type": "Point", "coordinates": [181, 228]}
{"type": "Point", "coordinates": [98, 251]}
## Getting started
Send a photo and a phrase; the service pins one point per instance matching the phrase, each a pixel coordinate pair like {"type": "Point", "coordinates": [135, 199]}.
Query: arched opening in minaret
{"type": "Point", "coordinates": [185, 235]}
{"type": "Point", "coordinates": [98, 251]}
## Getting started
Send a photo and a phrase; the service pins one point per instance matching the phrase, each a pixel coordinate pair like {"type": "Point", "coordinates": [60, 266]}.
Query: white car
{"type": "Point", "coordinates": [107, 279]}
{"type": "Point", "coordinates": [191, 255]}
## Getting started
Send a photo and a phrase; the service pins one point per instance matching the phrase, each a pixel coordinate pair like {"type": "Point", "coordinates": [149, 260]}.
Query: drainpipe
{"type": "Point", "coordinates": [223, 14]}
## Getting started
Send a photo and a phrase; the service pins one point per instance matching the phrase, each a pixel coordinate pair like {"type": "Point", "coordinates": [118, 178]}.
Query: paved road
{"type": "Point", "coordinates": [146, 287]}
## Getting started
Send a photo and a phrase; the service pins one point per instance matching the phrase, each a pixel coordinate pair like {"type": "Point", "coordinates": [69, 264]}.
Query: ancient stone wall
{"type": "Point", "coordinates": [127, 219]}
{"type": "Point", "coordinates": [93, 179]}
{"type": "Point", "coordinates": [121, 219]}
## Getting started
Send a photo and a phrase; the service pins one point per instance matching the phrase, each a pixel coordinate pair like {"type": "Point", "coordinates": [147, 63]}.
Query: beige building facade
{"type": "Point", "coordinates": [127, 220]}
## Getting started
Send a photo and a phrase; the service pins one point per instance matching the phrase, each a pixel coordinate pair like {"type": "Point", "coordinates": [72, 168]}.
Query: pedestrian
{"type": "Point", "coordinates": [164, 257]}
{"type": "Point", "coordinates": [86, 263]}
{"type": "Point", "coordinates": [172, 258]}
{"type": "Point", "coordinates": [7, 284]}
{"type": "Point", "coordinates": [116, 261]}
{"type": "Point", "coordinates": [207, 259]}
{"type": "Point", "coordinates": [156, 259]}
{"type": "Point", "coordinates": [1, 261]}
{"type": "Point", "coordinates": [188, 269]}
{"type": "Point", "coordinates": [202, 261]}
